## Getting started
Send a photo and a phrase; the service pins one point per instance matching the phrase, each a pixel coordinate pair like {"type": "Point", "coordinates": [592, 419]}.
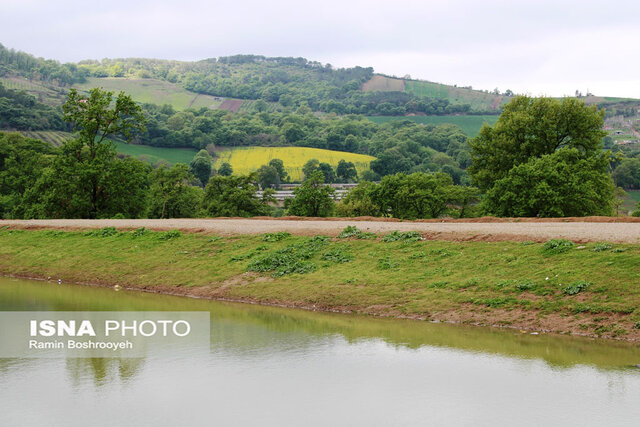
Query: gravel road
{"type": "Point", "coordinates": [541, 230]}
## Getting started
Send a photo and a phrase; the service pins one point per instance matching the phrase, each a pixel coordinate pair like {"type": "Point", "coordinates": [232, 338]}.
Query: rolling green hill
{"type": "Point", "coordinates": [470, 125]}
{"type": "Point", "coordinates": [153, 91]}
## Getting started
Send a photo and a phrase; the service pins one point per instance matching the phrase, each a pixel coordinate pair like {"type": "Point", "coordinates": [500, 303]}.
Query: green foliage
{"type": "Point", "coordinates": [349, 231]}
{"type": "Point", "coordinates": [21, 111]}
{"type": "Point", "coordinates": [171, 196]}
{"type": "Point", "coordinates": [576, 287]}
{"type": "Point", "coordinates": [337, 255]}
{"type": "Point", "coordinates": [565, 183]}
{"type": "Point", "coordinates": [526, 285]}
{"type": "Point", "coordinates": [201, 166]}
{"type": "Point", "coordinates": [139, 232]}
{"type": "Point", "coordinates": [103, 232]}
{"type": "Point", "coordinates": [557, 246]}
{"type": "Point", "coordinates": [531, 128]}
{"type": "Point", "coordinates": [387, 263]}
{"type": "Point", "coordinates": [225, 169]}
{"type": "Point", "coordinates": [290, 259]}
{"type": "Point", "coordinates": [275, 237]}
{"type": "Point", "coordinates": [21, 163]}
{"type": "Point", "coordinates": [312, 198]}
{"type": "Point", "coordinates": [233, 196]}
{"type": "Point", "coordinates": [408, 236]}
{"type": "Point", "coordinates": [168, 235]}
{"type": "Point", "coordinates": [601, 247]}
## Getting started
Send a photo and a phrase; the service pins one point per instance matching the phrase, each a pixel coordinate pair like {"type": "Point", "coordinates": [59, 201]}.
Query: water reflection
{"type": "Point", "coordinates": [270, 366]}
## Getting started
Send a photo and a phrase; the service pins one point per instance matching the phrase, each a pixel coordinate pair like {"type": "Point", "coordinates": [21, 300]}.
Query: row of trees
{"type": "Point", "coordinates": [542, 158]}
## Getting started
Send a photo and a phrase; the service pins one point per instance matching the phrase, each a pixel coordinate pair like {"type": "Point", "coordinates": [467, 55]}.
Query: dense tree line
{"type": "Point", "coordinates": [21, 111]}
{"type": "Point", "coordinates": [543, 157]}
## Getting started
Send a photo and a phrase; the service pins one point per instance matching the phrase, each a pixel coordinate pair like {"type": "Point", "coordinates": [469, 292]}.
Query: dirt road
{"type": "Point", "coordinates": [473, 230]}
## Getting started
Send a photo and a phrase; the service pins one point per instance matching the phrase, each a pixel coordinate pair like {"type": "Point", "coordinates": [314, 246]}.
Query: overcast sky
{"type": "Point", "coordinates": [550, 47]}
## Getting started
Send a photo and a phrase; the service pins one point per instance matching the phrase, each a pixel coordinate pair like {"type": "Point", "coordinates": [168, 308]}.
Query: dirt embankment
{"type": "Point", "coordinates": [590, 229]}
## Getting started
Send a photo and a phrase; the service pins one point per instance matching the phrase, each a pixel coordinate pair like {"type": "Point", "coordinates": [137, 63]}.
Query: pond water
{"type": "Point", "coordinates": [271, 366]}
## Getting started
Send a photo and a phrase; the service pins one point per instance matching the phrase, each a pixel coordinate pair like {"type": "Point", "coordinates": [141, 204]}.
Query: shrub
{"type": "Point", "coordinates": [275, 237]}
{"type": "Point", "coordinates": [409, 236]}
{"type": "Point", "coordinates": [601, 247]}
{"type": "Point", "coordinates": [526, 285]}
{"type": "Point", "coordinates": [575, 288]}
{"type": "Point", "coordinates": [103, 232]}
{"type": "Point", "coordinates": [557, 246]}
{"type": "Point", "coordinates": [352, 231]}
{"type": "Point", "coordinates": [337, 255]}
{"type": "Point", "coordinates": [386, 263]}
{"type": "Point", "coordinates": [168, 235]}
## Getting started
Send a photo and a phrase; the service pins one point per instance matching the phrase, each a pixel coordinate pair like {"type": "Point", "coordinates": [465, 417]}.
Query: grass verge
{"type": "Point", "coordinates": [589, 289]}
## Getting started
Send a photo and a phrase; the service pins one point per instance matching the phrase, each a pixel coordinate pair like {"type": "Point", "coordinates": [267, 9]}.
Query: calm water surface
{"type": "Point", "coordinates": [270, 366]}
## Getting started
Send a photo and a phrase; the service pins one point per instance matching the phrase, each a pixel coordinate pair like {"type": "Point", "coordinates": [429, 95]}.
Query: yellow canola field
{"type": "Point", "coordinates": [244, 160]}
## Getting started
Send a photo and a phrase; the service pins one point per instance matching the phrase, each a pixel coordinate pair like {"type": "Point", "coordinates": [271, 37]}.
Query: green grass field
{"type": "Point", "coordinates": [248, 159]}
{"type": "Point", "coordinates": [43, 92]}
{"type": "Point", "coordinates": [591, 289]}
{"type": "Point", "coordinates": [155, 154]}
{"type": "Point", "coordinates": [53, 137]}
{"type": "Point", "coordinates": [152, 91]}
{"type": "Point", "coordinates": [470, 125]}
{"type": "Point", "coordinates": [479, 101]}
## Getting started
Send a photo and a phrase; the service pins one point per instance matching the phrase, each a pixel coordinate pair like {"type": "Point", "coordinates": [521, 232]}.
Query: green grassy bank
{"type": "Point", "coordinates": [592, 289]}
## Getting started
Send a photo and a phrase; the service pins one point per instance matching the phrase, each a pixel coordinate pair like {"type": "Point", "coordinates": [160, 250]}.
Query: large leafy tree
{"type": "Point", "coordinates": [171, 196]}
{"type": "Point", "coordinates": [201, 166]}
{"type": "Point", "coordinates": [565, 183]}
{"type": "Point", "coordinates": [531, 128]}
{"type": "Point", "coordinates": [87, 179]}
{"type": "Point", "coordinates": [233, 195]}
{"type": "Point", "coordinates": [21, 163]}
{"type": "Point", "coordinates": [313, 197]}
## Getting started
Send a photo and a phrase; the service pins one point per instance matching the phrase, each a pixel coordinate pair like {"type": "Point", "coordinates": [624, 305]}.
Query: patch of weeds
{"type": "Point", "coordinates": [601, 247]}
{"type": "Point", "coordinates": [386, 263]}
{"type": "Point", "coordinates": [618, 250]}
{"type": "Point", "coordinates": [168, 235]}
{"type": "Point", "coordinates": [350, 281]}
{"type": "Point", "coordinates": [470, 283]}
{"type": "Point", "coordinates": [337, 255]}
{"type": "Point", "coordinates": [248, 255]}
{"type": "Point", "coordinates": [290, 259]}
{"type": "Point", "coordinates": [636, 325]}
{"type": "Point", "coordinates": [527, 243]}
{"type": "Point", "coordinates": [495, 302]}
{"type": "Point", "coordinates": [139, 232]}
{"type": "Point", "coordinates": [502, 284]}
{"type": "Point", "coordinates": [418, 255]}
{"type": "Point", "coordinates": [509, 258]}
{"type": "Point", "coordinates": [409, 236]}
{"type": "Point", "coordinates": [441, 253]}
{"type": "Point", "coordinates": [557, 246]}
{"type": "Point", "coordinates": [575, 287]}
{"type": "Point", "coordinates": [275, 237]}
{"type": "Point", "coordinates": [103, 232]}
{"type": "Point", "coordinates": [349, 231]}
{"type": "Point", "coordinates": [215, 239]}
{"type": "Point", "coordinates": [526, 285]}
{"type": "Point", "coordinates": [58, 233]}
{"type": "Point", "coordinates": [439, 285]}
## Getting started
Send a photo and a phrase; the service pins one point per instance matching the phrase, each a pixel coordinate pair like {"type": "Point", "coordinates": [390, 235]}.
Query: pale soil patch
{"type": "Point", "coordinates": [383, 84]}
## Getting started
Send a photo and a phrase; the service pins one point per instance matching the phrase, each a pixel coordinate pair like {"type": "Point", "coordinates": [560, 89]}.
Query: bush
{"type": "Point", "coordinates": [575, 288]}
{"type": "Point", "coordinates": [275, 237]}
{"type": "Point", "coordinates": [338, 255]}
{"type": "Point", "coordinates": [168, 235]}
{"type": "Point", "coordinates": [601, 247]}
{"type": "Point", "coordinates": [557, 246]}
{"type": "Point", "coordinates": [103, 232]}
{"type": "Point", "coordinates": [409, 236]}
